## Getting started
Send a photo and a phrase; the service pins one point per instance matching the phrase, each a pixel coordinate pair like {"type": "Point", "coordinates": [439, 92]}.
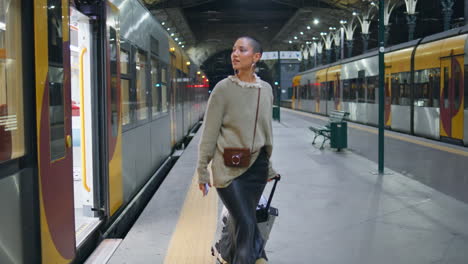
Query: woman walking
{"type": "Point", "coordinates": [237, 139]}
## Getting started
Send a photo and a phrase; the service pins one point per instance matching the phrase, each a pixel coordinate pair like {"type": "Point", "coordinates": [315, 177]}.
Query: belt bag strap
{"type": "Point", "coordinates": [256, 118]}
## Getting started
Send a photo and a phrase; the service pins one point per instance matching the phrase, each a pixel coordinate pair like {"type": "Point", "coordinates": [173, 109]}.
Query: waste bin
{"type": "Point", "coordinates": [276, 112]}
{"type": "Point", "coordinates": [339, 135]}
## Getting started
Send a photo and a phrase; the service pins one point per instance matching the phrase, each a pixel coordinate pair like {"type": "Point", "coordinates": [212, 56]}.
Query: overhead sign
{"type": "Point", "coordinates": [270, 55]}
{"type": "Point", "coordinates": [288, 55]}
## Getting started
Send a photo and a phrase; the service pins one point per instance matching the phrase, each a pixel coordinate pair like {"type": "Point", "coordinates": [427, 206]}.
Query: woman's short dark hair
{"type": "Point", "coordinates": [257, 47]}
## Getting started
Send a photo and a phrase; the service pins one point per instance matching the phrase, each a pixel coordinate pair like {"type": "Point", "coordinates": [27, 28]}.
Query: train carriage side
{"type": "Point", "coordinates": [452, 88]}
{"type": "Point", "coordinates": [398, 67]}
{"type": "Point", "coordinates": [308, 102]}
{"type": "Point", "coordinates": [321, 95]}
{"type": "Point", "coordinates": [296, 83]}
{"type": "Point", "coordinates": [333, 90]}
{"type": "Point", "coordinates": [145, 59]}
{"type": "Point", "coordinates": [178, 80]}
{"type": "Point", "coordinates": [427, 64]}
{"type": "Point", "coordinates": [436, 93]}
{"type": "Point", "coordinates": [360, 84]}
{"type": "Point", "coordinates": [425, 88]}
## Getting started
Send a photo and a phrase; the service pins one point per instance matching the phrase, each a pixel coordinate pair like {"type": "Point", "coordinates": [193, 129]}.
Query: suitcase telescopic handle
{"type": "Point", "coordinates": [277, 179]}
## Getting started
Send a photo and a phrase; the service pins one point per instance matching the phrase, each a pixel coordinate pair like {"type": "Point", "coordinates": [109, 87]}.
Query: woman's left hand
{"type": "Point", "coordinates": [204, 187]}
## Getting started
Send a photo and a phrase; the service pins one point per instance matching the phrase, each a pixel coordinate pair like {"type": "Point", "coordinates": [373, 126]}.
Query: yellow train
{"type": "Point", "coordinates": [94, 98]}
{"type": "Point", "coordinates": [425, 89]}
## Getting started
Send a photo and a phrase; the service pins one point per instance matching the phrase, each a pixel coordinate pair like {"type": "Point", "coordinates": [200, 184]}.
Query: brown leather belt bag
{"type": "Point", "coordinates": [240, 157]}
{"type": "Point", "coordinates": [237, 157]}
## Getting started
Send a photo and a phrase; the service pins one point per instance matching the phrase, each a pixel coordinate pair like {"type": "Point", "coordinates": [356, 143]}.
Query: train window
{"type": "Point", "coordinates": [303, 92]}
{"type": "Point", "coordinates": [125, 93]}
{"type": "Point", "coordinates": [164, 101]}
{"type": "Point", "coordinates": [353, 91]}
{"type": "Point", "coordinates": [124, 61]}
{"type": "Point", "coordinates": [372, 88]}
{"type": "Point", "coordinates": [323, 91]}
{"type": "Point", "coordinates": [434, 86]}
{"type": "Point", "coordinates": [466, 88]}
{"type": "Point", "coordinates": [457, 81]}
{"type": "Point", "coordinates": [155, 87]}
{"type": "Point", "coordinates": [346, 90]}
{"type": "Point", "coordinates": [395, 90]}
{"type": "Point", "coordinates": [180, 84]}
{"type": "Point", "coordinates": [125, 86]}
{"type": "Point", "coordinates": [446, 87]}
{"type": "Point", "coordinates": [11, 86]}
{"type": "Point", "coordinates": [331, 90]}
{"type": "Point", "coordinates": [141, 87]}
{"type": "Point", "coordinates": [401, 88]}
{"type": "Point", "coordinates": [361, 86]}
{"type": "Point", "coordinates": [114, 82]}
{"type": "Point", "coordinates": [56, 77]}
{"type": "Point", "coordinates": [426, 84]}
{"type": "Point", "coordinates": [311, 88]}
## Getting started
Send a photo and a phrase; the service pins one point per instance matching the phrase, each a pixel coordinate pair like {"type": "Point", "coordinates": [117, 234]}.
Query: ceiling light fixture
{"type": "Point", "coordinates": [316, 21]}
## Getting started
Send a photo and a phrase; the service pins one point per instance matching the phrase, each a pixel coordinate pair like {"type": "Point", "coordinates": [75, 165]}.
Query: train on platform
{"type": "Point", "coordinates": [426, 92]}
{"type": "Point", "coordinates": [95, 99]}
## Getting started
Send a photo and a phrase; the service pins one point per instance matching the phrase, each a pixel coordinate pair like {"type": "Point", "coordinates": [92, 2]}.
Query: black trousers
{"type": "Point", "coordinates": [242, 242]}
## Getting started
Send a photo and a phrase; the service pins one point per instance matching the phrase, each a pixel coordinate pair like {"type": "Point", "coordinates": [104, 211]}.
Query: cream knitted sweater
{"type": "Point", "coordinates": [229, 123]}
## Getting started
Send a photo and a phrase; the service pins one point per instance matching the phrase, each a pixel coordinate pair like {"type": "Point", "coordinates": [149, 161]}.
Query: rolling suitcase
{"type": "Point", "coordinates": [266, 215]}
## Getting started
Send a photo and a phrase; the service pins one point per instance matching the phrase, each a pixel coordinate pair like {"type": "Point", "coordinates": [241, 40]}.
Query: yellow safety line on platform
{"type": "Point", "coordinates": [402, 138]}
{"type": "Point", "coordinates": [195, 231]}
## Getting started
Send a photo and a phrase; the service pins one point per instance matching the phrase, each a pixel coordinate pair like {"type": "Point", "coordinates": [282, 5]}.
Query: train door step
{"type": "Point", "coordinates": [104, 251]}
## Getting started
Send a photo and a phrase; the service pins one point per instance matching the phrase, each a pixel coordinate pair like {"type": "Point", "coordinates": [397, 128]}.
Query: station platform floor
{"type": "Point", "coordinates": [333, 209]}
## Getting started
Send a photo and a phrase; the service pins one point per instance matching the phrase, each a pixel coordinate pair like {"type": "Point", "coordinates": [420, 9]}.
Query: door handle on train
{"type": "Point", "coordinates": [68, 141]}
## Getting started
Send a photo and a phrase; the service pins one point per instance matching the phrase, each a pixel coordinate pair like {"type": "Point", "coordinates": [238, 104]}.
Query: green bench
{"type": "Point", "coordinates": [325, 131]}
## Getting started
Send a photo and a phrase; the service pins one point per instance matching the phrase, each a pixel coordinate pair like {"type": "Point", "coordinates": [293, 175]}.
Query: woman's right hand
{"type": "Point", "coordinates": [277, 176]}
{"type": "Point", "coordinates": [204, 187]}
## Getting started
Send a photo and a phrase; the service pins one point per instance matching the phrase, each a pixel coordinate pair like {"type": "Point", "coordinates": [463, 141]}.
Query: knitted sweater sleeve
{"type": "Point", "coordinates": [269, 147]}
{"type": "Point", "coordinates": [211, 128]}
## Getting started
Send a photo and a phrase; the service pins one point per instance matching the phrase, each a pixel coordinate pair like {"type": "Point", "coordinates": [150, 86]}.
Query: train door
{"type": "Point", "coordinates": [388, 100]}
{"type": "Point", "coordinates": [83, 131]}
{"type": "Point", "coordinates": [54, 130]}
{"type": "Point", "coordinates": [318, 94]}
{"type": "Point", "coordinates": [172, 98]}
{"type": "Point", "coordinates": [451, 94]}
{"type": "Point", "coordinates": [337, 92]}
{"type": "Point", "coordinates": [113, 109]}
{"type": "Point", "coordinates": [180, 104]}
{"type": "Point", "coordinates": [19, 223]}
